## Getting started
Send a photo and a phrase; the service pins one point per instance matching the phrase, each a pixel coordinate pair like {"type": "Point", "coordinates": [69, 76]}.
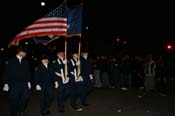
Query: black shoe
{"type": "Point", "coordinates": [61, 111]}
{"type": "Point", "coordinates": [85, 104]}
{"type": "Point", "coordinates": [45, 113]}
{"type": "Point", "coordinates": [77, 109]}
{"type": "Point", "coordinates": [21, 114]}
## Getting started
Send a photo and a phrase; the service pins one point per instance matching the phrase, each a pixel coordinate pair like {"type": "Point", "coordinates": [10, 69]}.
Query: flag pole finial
{"type": "Point", "coordinates": [81, 3]}
{"type": "Point", "coordinates": [65, 1]}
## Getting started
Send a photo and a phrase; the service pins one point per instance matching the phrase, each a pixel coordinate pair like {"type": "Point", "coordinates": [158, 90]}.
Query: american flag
{"type": "Point", "coordinates": [62, 21]}
{"type": "Point", "coordinates": [53, 23]}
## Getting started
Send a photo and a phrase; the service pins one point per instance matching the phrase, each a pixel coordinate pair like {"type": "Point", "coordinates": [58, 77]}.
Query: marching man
{"type": "Point", "coordinates": [87, 77]}
{"type": "Point", "coordinates": [44, 80]}
{"type": "Point", "coordinates": [62, 78]}
{"type": "Point", "coordinates": [17, 82]}
{"type": "Point", "coordinates": [75, 80]}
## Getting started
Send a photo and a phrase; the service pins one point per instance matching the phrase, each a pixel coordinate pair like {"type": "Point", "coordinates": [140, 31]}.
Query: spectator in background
{"type": "Point", "coordinates": [125, 69]}
{"type": "Point", "coordinates": [114, 72]}
{"type": "Point", "coordinates": [104, 72]}
{"type": "Point", "coordinates": [160, 76]}
{"type": "Point", "coordinates": [150, 71]}
{"type": "Point", "coordinates": [97, 72]}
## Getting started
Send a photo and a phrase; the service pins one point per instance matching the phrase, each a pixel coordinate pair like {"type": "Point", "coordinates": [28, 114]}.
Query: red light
{"type": "Point", "coordinates": [118, 39]}
{"type": "Point", "coordinates": [124, 42]}
{"type": "Point", "coordinates": [169, 46]}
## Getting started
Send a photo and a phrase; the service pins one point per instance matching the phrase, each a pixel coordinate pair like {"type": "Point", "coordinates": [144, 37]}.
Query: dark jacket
{"type": "Point", "coordinates": [44, 75]}
{"type": "Point", "coordinates": [16, 71]}
{"type": "Point", "coordinates": [86, 67]}
{"type": "Point", "coordinates": [57, 66]}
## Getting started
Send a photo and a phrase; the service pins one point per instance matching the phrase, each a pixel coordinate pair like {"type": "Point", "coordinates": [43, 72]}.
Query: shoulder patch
{"type": "Point", "coordinates": [6, 62]}
{"type": "Point", "coordinates": [36, 68]}
{"type": "Point", "coordinates": [53, 61]}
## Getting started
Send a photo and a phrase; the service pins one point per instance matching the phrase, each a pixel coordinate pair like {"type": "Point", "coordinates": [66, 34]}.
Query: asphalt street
{"type": "Point", "coordinates": [107, 102]}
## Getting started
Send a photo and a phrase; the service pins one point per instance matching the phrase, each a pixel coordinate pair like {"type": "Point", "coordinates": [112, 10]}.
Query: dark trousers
{"type": "Point", "coordinates": [137, 80]}
{"type": "Point", "coordinates": [83, 90]}
{"type": "Point", "coordinates": [125, 80]}
{"type": "Point", "coordinates": [62, 95]}
{"type": "Point", "coordinates": [114, 78]}
{"type": "Point", "coordinates": [162, 85]}
{"type": "Point", "coordinates": [73, 94]}
{"type": "Point", "coordinates": [46, 96]}
{"type": "Point", "coordinates": [18, 97]}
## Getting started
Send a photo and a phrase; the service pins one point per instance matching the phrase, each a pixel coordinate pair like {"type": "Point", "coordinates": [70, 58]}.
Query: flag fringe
{"type": "Point", "coordinates": [14, 43]}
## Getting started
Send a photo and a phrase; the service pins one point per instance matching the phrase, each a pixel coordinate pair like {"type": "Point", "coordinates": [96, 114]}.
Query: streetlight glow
{"type": "Point", "coordinates": [43, 3]}
{"type": "Point", "coordinates": [2, 49]}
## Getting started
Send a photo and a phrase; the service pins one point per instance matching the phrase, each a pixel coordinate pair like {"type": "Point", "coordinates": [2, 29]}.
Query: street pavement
{"type": "Point", "coordinates": [107, 102]}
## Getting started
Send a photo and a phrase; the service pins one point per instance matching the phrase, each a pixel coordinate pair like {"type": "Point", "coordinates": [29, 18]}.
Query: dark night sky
{"type": "Point", "coordinates": [139, 23]}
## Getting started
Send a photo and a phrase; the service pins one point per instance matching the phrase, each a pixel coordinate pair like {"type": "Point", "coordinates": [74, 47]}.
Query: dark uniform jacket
{"type": "Point", "coordinates": [86, 68]}
{"type": "Point", "coordinates": [44, 75]}
{"type": "Point", "coordinates": [16, 71]}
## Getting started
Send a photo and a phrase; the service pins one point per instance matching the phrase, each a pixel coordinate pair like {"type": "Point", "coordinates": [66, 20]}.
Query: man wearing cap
{"type": "Point", "coordinates": [75, 80]}
{"type": "Point", "coordinates": [44, 79]}
{"type": "Point", "coordinates": [17, 82]}
{"type": "Point", "coordinates": [62, 78]}
{"type": "Point", "coordinates": [87, 77]}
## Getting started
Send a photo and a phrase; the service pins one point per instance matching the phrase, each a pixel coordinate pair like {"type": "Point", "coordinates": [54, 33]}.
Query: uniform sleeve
{"type": "Point", "coordinates": [70, 68]}
{"type": "Point", "coordinates": [53, 70]}
{"type": "Point", "coordinates": [90, 66]}
{"type": "Point", "coordinates": [28, 71]}
{"type": "Point", "coordinates": [36, 75]}
{"type": "Point", "coordinates": [5, 77]}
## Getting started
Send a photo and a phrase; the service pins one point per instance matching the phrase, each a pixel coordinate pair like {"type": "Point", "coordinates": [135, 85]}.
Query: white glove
{"type": "Point", "coordinates": [91, 77]}
{"type": "Point", "coordinates": [81, 78]}
{"type": "Point", "coordinates": [58, 74]}
{"type": "Point", "coordinates": [38, 87]}
{"type": "Point", "coordinates": [66, 81]}
{"type": "Point", "coordinates": [65, 61]}
{"type": "Point", "coordinates": [56, 84]}
{"type": "Point", "coordinates": [29, 85]}
{"type": "Point", "coordinates": [78, 62]}
{"type": "Point", "coordinates": [78, 79]}
{"type": "Point", "coordinates": [72, 73]}
{"type": "Point", "coordinates": [6, 87]}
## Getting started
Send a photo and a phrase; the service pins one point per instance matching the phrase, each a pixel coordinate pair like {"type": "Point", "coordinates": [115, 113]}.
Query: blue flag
{"type": "Point", "coordinates": [74, 18]}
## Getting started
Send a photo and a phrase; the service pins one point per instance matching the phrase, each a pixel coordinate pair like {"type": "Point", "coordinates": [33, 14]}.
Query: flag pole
{"type": "Point", "coordinates": [65, 65]}
{"type": "Point", "coordinates": [65, 50]}
{"type": "Point", "coordinates": [64, 2]}
{"type": "Point", "coordinates": [79, 54]}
